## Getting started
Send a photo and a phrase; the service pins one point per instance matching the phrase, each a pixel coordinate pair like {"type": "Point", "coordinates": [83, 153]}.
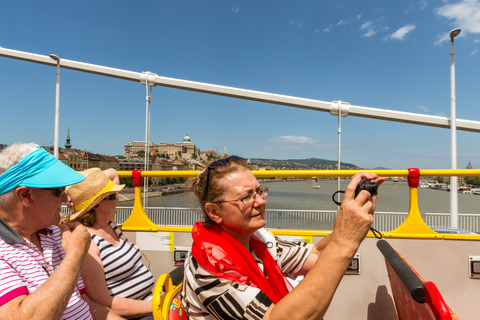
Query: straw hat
{"type": "Point", "coordinates": [88, 193]}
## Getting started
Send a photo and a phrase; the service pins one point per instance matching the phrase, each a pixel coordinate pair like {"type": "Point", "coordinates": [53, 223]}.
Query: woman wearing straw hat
{"type": "Point", "coordinates": [113, 273]}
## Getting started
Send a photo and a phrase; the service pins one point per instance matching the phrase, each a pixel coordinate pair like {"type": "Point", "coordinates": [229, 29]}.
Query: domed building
{"type": "Point", "coordinates": [461, 180]}
{"type": "Point", "coordinates": [184, 150]}
{"type": "Point", "coordinates": [188, 149]}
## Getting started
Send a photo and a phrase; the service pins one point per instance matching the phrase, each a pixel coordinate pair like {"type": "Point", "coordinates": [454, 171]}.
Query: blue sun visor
{"type": "Point", "coordinates": [39, 169]}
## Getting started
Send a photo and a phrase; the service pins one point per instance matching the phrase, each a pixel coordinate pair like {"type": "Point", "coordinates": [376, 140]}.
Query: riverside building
{"type": "Point", "coordinates": [185, 150]}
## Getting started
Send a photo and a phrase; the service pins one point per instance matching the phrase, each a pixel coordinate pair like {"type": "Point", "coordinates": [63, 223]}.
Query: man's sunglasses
{"type": "Point", "coordinates": [57, 191]}
{"type": "Point", "coordinates": [112, 197]}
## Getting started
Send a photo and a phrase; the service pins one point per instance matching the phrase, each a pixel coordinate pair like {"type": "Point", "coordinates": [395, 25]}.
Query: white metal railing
{"type": "Point", "coordinates": [299, 219]}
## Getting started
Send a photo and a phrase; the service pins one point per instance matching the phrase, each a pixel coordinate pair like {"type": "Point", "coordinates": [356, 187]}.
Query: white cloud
{"type": "Point", "coordinates": [292, 139]}
{"type": "Point", "coordinates": [236, 10]}
{"type": "Point", "coordinates": [423, 4]}
{"type": "Point", "coordinates": [298, 143]}
{"type": "Point", "coordinates": [424, 109]}
{"type": "Point", "coordinates": [474, 52]}
{"type": "Point", "coordinates": [366, 25]}
{"type": "Point", "coordinates": [442, 38]}
{"type": "Point", "coordinates": [369, 27]}
{"type": "Point", "coordinates": [401, 33]}
{"type": "Point", "coordinates": [369, 33]}
{"type": "Point", "coordinates": [343, 22]}
{"type": "Point", "coordinates": [465, 15]}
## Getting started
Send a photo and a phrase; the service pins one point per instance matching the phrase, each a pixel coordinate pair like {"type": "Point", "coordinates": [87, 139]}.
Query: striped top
{"type": "Point", "coordinates": [125, 274]}
{"type": "Point", "coordinates": [24, 270]}
{"type": "Point", "coordinates": [208, 297]}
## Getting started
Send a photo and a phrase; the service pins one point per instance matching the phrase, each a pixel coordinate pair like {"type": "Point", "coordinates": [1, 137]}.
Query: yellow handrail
{"type": "Point", "coordinates": [412, 227]}
{"type": "Point", "coordinates": [318, 173]}
{"type": "Point", "coordinates": [138, 219]}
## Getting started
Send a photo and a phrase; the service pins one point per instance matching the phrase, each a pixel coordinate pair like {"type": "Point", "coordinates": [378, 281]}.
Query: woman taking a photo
{"type": "Point", "coordinates": [237, 269]}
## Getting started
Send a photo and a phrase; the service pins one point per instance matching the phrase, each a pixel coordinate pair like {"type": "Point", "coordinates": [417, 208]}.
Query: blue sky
{"type": "Point", "coordinates": [390, 55]}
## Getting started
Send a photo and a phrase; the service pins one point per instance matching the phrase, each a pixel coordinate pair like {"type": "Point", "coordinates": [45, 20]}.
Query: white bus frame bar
{"type": "Point", "coordinates": [290, 101]}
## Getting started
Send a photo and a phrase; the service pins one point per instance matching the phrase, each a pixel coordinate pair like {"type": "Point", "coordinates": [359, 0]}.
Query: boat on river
{"type": "Point", "coordinates": [424, 184]}
{"type": "Point", "coordinates": [447, 258]}
{"type": "Point", "coordinates": [466, 190]}
{"type": "Point", "coordinates": [316, 186]}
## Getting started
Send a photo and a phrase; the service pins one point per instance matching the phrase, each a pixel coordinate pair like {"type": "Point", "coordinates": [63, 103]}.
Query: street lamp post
{"type": "Point", "coordinates": [453, 140]}
{"type": "Point", "coordinates": [57, 107]}
{"type": "Point", "coordinates": [339, 131]}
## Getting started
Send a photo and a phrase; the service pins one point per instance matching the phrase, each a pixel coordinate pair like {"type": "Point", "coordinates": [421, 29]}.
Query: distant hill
{"type": "Point", "coordinates": [316, 161]}
{"type": "Point", "coordinates": [311, 162]}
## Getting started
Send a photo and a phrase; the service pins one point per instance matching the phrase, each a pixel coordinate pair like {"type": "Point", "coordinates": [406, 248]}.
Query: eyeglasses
{"type": "Point", "coordinates": [250, 197]}
{"type": "Point", "coordinates": [112, 197]}
{"type": "Point", "coordinates": [57, 191]}
{"type": "Point", "coordinates": [217, 165]}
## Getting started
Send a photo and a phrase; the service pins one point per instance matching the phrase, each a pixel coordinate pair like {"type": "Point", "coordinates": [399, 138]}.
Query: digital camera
{"type": "Point", "coordinates": [370, 186]}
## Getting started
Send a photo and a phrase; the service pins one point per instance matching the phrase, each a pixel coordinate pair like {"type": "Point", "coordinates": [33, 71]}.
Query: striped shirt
{"type": "Point", "coordinates": [125, 274]}
{"type": "Point", "coordinates": [209, 297]}
{"type": "Point", "coordinates": [23, 270]}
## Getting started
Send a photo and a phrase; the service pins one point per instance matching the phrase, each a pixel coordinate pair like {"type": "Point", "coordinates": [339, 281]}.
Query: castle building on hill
{"type": "Point", "coordinates": [185, 150]}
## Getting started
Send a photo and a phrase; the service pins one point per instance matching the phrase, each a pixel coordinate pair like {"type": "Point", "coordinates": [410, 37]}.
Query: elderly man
{"type": "Point", "coordinates": [40, 266]}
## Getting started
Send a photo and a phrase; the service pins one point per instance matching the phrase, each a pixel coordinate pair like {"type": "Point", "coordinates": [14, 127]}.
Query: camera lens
{"type": "Point", "coordinates": [370, 186]}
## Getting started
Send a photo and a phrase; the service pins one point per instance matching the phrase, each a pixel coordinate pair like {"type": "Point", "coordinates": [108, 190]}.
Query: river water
{"type": "Point", "coordinates": [299, 195]}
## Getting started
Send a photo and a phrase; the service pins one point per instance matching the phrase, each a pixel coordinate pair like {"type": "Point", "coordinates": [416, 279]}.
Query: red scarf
{"type": "Point", "coordinates": [223, 256]}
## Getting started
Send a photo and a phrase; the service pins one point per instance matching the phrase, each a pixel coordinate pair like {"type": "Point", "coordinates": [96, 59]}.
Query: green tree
{"type": "Point", "coordinates": [439, 179]}
{"type": "Point", "coordinates": [473, 181]}
{"type": "Point", "coordinates": [127, 182]}
{"type": "Point", "coordinates": [182, 179]}
{"type": "Point", "coordinates": [141, 154]}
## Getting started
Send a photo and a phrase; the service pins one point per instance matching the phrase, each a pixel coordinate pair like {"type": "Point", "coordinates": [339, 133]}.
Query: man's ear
{"type": "Point", "coordinates": [212, 211]}
{"type": "Point", "coordinates": [23, 195]}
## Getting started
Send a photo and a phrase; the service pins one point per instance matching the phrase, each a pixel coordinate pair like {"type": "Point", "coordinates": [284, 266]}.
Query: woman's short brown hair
{"type": "Point", "coordinates": [88, 219]}
{"type": "Point", "coordinates": [206, 187]}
